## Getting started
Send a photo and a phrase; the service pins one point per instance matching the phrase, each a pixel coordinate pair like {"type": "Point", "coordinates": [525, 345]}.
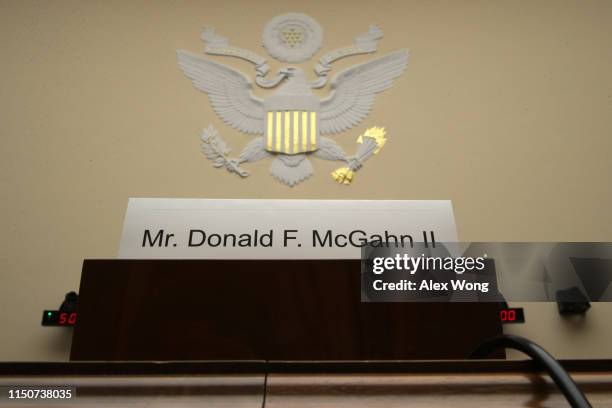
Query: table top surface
{"type": "Point", "coordinates": [256, 384]}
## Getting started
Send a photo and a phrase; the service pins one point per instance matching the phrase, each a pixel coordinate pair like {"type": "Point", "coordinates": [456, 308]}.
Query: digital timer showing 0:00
{"type": "Point", "coordinates": [513, 315]}
{"type": "Point", "coordinates": [59, 318]}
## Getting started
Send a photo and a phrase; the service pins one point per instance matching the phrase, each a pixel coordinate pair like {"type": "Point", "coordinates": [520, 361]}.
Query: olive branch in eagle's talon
{"type": "Point", "coordinates": [215, 150]}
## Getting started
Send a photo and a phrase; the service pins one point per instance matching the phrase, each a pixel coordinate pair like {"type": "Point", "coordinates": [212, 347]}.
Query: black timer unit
{"type": "Point", "coordinates": [66, 315]}
{"type": "Point", "coordinates": [59, 318]}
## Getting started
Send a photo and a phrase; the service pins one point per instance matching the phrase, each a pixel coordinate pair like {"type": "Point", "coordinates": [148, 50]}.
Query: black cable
{"type": "Point", "coordinates": [568, 387]}
{"type": "Point", "coordinates": [265, 389]}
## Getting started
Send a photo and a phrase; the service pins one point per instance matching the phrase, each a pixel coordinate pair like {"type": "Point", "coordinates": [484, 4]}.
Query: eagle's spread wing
{"type": "Point", "coordinates": [229, 92]}
{"type": "Point", "coordinates": [354, 88]}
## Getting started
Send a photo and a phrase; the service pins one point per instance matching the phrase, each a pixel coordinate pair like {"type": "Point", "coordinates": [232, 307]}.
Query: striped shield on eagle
{"type": "Point", "coordinates": [291, 122]}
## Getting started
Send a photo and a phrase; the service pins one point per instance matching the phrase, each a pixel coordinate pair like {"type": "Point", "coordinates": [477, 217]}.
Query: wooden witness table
{"type": "Point", "coordinates": [483, 383]}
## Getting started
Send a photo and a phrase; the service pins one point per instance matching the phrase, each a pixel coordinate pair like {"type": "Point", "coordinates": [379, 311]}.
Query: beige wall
{"type": "Point", "coordinates": [506, 109]}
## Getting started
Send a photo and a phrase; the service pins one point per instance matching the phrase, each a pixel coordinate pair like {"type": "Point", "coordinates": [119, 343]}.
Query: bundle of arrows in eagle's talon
{"type": "Point", "coordinates": [372, 141]}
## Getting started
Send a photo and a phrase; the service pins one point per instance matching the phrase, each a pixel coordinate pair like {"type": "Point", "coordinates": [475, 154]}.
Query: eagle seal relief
{"type": "Point", "coordinates": [291, 124]}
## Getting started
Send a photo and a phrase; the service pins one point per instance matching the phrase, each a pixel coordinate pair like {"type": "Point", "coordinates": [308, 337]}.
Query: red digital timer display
{"type": "Point", "coordinates": [59, 318]}
{"type": "Point", "coordinates": [512, 315]}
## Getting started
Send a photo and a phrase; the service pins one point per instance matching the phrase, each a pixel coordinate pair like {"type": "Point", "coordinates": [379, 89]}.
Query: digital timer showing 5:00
{"type": "Point", "coordinates": [59, 318]}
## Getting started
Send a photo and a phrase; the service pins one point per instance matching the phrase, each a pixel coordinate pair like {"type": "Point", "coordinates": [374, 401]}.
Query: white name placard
{"type": "Point", "coordinates": [161, 228]}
